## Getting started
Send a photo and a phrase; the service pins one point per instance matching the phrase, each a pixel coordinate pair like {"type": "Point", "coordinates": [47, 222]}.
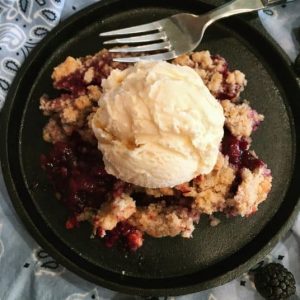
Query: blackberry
{"type": "Point", "coordinates": [274, 282]}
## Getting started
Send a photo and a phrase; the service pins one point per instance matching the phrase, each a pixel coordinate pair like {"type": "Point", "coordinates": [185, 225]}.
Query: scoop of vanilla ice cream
{"type": "Point", "coordinates": [157, 125]}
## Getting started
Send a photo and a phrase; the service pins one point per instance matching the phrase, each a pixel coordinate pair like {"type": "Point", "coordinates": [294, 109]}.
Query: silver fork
{"type": "Point", "coordinates": [179, 33]}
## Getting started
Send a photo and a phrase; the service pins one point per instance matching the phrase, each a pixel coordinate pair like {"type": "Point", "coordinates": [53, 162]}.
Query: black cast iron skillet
{"type": "Point", "coordinates": [169, 266]}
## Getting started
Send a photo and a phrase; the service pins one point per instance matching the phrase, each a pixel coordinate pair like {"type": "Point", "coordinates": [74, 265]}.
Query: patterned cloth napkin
{"type": "Point", "coordinates": [26, 270]}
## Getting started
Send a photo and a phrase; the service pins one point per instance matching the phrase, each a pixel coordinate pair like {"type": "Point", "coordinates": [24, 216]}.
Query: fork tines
{"type": "Point", "coordinates": [159, 38]}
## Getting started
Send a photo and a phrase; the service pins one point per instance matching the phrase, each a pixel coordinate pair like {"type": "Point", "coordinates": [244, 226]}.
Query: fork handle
{"type": "Point", "coordinates": [239, 7]}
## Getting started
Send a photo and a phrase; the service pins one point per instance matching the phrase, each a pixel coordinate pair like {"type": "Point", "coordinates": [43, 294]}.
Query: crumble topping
{"type": "Point", "coordinates": [213, 69]}
{"type": "Point", "coordinates": [215, 82]}
{"type": "Point", "coordinates": [203, 59]}
{"type": "Point", "coordinates": [160, 220]}
{"type": "Point", "coordinates": [156, 193]}
{"type": "Point", "coordinates": [70, 65]}
{"type": "Point", "coordinates": [236, 77]}
{"type": "Point", "coordinates": [240, 119]}
{"type": "Point", "coordinates": [70, 113]}
{"type": "Point", "coordinates": [89, 75]}
{"type": "Point", "coordinates": [114, 211]}
{"type": "Point", "coordinates": [214, 221]}
{"type": "Point", "coordinates": [53, 132]}
{"type": "Point", "coordinates": [253, 190]}
{"type": "Point", "coordinates": [214, 187]}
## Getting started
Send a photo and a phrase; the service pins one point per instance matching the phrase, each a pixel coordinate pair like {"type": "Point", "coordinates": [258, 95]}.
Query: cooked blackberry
{"type": "Point", "coordinates": [275, 282]}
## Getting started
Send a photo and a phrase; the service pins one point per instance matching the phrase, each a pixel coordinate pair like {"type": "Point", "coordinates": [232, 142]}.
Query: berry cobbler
{"type": "Point", "coordinates": [146, 149]}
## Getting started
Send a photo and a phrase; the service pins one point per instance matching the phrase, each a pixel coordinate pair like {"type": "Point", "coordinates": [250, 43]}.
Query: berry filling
{"type": "Point", "coordinates": [240, 156]}
{"type": "Point", "coordinates": [73, 83]}
{"type": "Point", "coordinates": [76, 171]}
{"type": "Point", "coordinates": [128, 235]}
{"type": "Point", "coordinates": [238, 153]}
